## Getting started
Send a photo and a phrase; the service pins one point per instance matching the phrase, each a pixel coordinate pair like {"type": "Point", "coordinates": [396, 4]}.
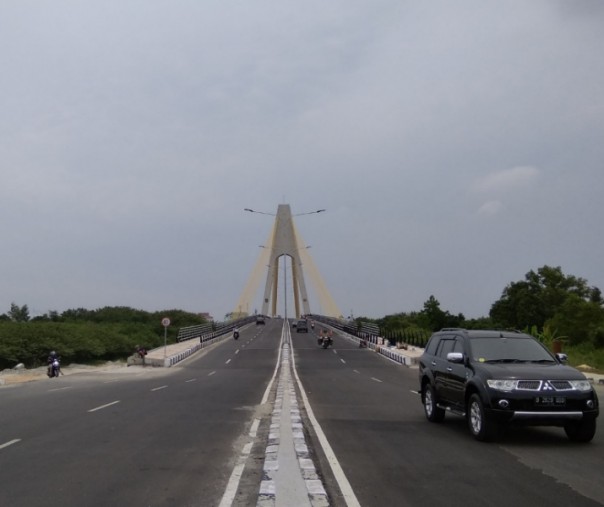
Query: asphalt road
{"type": "Point", "coordinates": [374, 421]}
{"type": "Point", "coordinates": [166, 437]}
{"type": "Point", "coordinates": [171, 437]}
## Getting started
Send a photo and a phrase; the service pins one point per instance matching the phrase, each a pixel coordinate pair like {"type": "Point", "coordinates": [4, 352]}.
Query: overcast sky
{"type": "Point", "coordinates": [454, 145]}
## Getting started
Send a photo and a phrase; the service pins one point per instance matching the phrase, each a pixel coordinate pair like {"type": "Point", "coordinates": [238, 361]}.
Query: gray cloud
{"type": "Point", "coordinates": [450, 143]}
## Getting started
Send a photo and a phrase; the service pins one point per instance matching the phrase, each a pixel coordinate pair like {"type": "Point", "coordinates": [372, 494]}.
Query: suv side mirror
{"type": "Point", "coordinates": [563, 358]}
{"type": "Point", "coordinates": [455, 357]}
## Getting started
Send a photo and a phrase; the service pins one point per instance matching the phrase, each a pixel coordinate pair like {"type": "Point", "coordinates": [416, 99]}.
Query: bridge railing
{"type": "Point", "coordinates": [368, 334]}
{"type": "Point", "coordinates": [211, 330]}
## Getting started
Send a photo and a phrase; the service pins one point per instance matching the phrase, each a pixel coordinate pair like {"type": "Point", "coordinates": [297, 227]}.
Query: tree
{"type": "Point", "coordinates": [578, 320]}
{"type": "Point", "coordinates": [540, 297]}
{"type": "Point", "coordinates": [18, 314]}
{"type": "Point", "coordinates": [436, 319]}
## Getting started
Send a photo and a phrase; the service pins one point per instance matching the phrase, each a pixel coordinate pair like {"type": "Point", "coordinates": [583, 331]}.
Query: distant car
{"type": "Point", "coordinates": [260, 320]}
{"type": "Point", "coordinates": [301, 326]}
{"type": "Point", "coordinates": [499, 378]}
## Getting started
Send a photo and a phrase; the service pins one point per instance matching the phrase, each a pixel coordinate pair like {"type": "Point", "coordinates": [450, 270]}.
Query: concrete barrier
{"type": "Point", "coordinates": [408, 359]}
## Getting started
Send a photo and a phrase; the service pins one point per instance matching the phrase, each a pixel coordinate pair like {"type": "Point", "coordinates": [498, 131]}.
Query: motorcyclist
{"type": "Point", "coordinates": [52, 357]}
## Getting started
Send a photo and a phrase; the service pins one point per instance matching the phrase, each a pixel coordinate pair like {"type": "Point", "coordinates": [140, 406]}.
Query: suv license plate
{"type": "Point", "coordinates": [549, 401]}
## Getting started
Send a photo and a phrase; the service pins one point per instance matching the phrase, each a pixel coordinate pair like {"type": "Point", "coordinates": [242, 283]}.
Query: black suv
{"type": "Point", "coordinates": [496, 378]}
{"type": "Point", "coordinates": [302, 326]}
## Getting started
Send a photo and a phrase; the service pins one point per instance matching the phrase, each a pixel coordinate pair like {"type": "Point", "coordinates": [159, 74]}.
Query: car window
{"type": "Point", "coordinates": [432, 344]}
{"type": "Point", "coordinates": [445, 346]}
{"type": "Point", "coordinates": [508, 349]}
{"type": "Point", "coordinates": [458, 347]}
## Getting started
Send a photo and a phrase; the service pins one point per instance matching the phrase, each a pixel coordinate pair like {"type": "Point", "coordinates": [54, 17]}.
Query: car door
{"type": "Point", "coordinates": [439, 367]}
{"type": "Point", "coordinates": [456, 375]}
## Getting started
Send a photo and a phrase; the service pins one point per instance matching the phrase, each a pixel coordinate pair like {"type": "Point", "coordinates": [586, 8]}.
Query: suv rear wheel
{"type": "Point", "coordinates": [432, 411]}
{"type": "Point", "coordinates": [482, 428]}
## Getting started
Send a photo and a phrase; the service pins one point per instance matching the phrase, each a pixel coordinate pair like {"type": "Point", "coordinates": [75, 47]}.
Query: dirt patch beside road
{"type": "Point", "coordinates": [8, 377]}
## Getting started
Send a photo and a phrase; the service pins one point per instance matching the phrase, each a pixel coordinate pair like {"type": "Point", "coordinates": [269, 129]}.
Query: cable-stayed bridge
{"type": "Point", "coordinates": [284, 248]}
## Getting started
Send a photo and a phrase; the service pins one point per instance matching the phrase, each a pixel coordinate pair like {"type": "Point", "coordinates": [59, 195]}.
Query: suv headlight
{"type": "Point", "coordinates": [502, 385]}
{"type": "Point", "coordinates": [580, 385]}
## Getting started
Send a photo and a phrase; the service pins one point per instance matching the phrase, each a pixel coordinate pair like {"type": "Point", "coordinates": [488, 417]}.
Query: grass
{"type": "Point", "coordinates": [584, 355]}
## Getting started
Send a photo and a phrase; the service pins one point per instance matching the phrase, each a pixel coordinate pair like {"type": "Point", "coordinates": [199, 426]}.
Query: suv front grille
{"type": "Point", "coordinates": [561, 385]}
{"type": "Point", "coordinates": [529, 385]}
{"type": "Point", "coordinates": [545, 385]}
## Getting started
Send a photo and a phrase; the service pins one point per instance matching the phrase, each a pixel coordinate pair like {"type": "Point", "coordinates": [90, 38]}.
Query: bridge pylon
{"type": "Point", "coordinates": [284, 241]}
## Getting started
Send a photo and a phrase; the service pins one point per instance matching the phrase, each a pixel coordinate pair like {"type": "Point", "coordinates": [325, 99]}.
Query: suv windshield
{"type": "Point", "coordinates": [509, 349]}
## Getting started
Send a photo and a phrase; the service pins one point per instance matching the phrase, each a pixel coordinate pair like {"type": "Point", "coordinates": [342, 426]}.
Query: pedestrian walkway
{"type": "Point", "coordinates": [171, 354]}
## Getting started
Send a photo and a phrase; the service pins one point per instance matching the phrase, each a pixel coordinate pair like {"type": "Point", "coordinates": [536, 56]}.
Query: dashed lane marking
{"type": "Point", "coordinates": [228, 361]}
{"type": "Point", "coordinates": [158, 388]}
{"type": "Point", "coordinates": [344, 362]}
{"type": "Point", "coordinates": [190, 380]}
{"type": "Point", "coordinates": [104, 406]}
{"type": "Point", "coordinates": [10, 442]}
{"type": "Point", "coordinates": [59, 389]}
{"type": "Point", "coordinates": [211, 373]}
{"type": "Point", "coordinates": [376, 379]}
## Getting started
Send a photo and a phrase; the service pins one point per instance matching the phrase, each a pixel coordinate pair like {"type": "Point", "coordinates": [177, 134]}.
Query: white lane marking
{"type": "Point", "coordinates": [229, 494]}
{"type": "Point", "coordinates": [233, 485]}
{"type": "Point", "coordinates": [376, 379]}
{"type": "Point", "coordinates": [237, 351]}
{"type": "Point", "coordinates": [59, 389]}
{"type": "Point", "coordinates": [10, 442]}
{"type": "Point", "coordinates": [342, 360]}
{"type": "Point", "coordinates": [254, 428]}
{"type": "Point", "coordinates": [191, 380]}
{"type": "Point", "coordinates": [228, 361]}
{"type": "Point", "coordinates": [345, 487]}
{"type": "Point", "coordinates": [270, 384]}
{"type": "Point", "coordinates": [158, 388]}
{"type": "Point", "coordinates": [356, 371]}
{"type": "Point", "coordinates": [211, 373]}
{"type": "Point", "coordinates": [103, 406]}
{"type": "Point", "coordinates": [415, 392]}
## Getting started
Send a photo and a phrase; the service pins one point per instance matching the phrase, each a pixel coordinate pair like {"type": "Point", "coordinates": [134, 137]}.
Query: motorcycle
{"type": "Point", "coordinates": [236, 334]}
{"type": "Point", "coordinates": [325, 341]}
{"type": "Point", "coordinates": [54, 369]}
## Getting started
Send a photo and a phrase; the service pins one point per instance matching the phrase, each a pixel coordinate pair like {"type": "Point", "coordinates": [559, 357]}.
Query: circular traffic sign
{"type": "Point", "coordinates": [165, 322]}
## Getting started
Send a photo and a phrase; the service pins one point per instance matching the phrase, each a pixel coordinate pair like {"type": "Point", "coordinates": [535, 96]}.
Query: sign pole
{"type": "Point", "coordinates": [165, 322]}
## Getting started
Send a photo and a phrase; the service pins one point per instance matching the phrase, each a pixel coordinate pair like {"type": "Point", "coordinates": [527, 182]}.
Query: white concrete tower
{"type": "Point", "coordinates": [284, 243]}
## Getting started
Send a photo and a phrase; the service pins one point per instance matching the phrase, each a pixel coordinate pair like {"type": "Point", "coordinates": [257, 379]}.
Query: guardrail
{"type": "Point", "coordinates": [366, 336]}
{"type": "Point", "coordinates": [187, 333]}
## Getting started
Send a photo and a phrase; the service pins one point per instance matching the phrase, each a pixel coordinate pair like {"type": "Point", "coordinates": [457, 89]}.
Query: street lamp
{"type": "Point", "coordinates": [309, 213]}
{"type": "Point", "coordinates": [261, 212]}
{"type": "Point", "coordinates": [273, 214]}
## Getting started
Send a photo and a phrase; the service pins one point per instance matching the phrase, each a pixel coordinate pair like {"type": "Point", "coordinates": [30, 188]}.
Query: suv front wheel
{"type": "Point", "coordinates": [482, 428]}
{"type": "Point", "coordinates": [581, 431]}
{"type": "Point", "coordinates": [433, 412]}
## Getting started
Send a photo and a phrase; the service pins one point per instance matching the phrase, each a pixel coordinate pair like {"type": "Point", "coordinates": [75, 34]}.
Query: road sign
{"type": "Point", "coordinates": [165, 322]}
